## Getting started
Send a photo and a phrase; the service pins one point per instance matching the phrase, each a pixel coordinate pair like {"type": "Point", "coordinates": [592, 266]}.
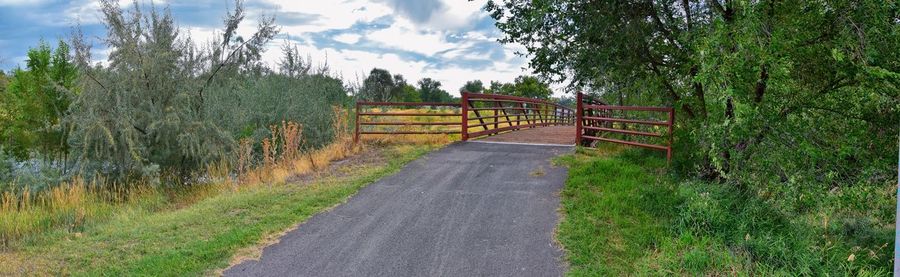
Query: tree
{"type": "Point", "coordinates": [35, 102]}
{"type": "Point", "coordinates": [379, 86]}
{"type": "Point", "coordinates": [474, 86]}
{"type": "Point", "coordinates": [787, 103]}
{"type": "Point", "coordinates": [740, 72]}
{"type": "Point", "coordinates": [523, 86]}
{"type": "Point", "coordinates": [566, 101]}
{"type": "Point", "coordinates": [531, 87]}
{"type": "Point", "coordinates": [3, 81]}
{"type": "Point", "coordinates": [146, 110]}
{"type": "Point", "coordinates": [408, 93]}
{"type": "Point", "coordinates": [403, 91]}
{"type": "Point", "coordinates": [292, 64]}
{"type": "Point", "coordinates": [430, 91]}
{"type": "Point", "coordinates": [501, 88]}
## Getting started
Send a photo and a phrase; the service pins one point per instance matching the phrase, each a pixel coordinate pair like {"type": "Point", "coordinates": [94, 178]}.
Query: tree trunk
{"type": "Point", "coordinates": [761, 84]}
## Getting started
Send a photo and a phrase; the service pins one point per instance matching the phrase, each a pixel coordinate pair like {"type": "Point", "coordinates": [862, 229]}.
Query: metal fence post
{"type": "Point", "coordinates": [671, 136]}
{"type": "Point", "coordinates": [356, 129]}
{"type": "Point", "coordinates": [465, 116]}
{"type": "Point", "coordinates": [578, 115]}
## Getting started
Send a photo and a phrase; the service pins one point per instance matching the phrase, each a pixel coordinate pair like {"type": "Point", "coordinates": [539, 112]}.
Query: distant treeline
{"type": "Point", "coordinates": [381, 86]}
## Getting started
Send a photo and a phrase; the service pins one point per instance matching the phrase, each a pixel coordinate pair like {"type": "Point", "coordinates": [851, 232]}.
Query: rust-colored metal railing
{"type": "Point", "coordinates": [500, 113]}
{"type": "Point", "coordinates": [395, 121]}
{"type": "Point", "coordinates": [594, 119]}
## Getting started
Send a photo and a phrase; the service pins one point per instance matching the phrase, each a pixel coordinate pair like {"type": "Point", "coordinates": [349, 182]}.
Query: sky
{"type": "Point", "coordinates": [452, 41]}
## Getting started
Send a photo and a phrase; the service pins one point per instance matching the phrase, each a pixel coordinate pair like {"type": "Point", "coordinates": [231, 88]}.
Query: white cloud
{"type": "Point", "coordinates": [7, 3]}
{"type": "Point", "coordinates": [87, 12]}
{"type": "Point", "coordinates": [457, 14]}
{"type": "Point", "coordinates": [348, 38]}
{"type": "Point", "coordinates": [201, 35]}
{"type": "Point", "coordinates": [402, 36]}
{"type": "Point", "coordinates": [332, 14]}
{"type": "Point", "coordinates": [440, 45]}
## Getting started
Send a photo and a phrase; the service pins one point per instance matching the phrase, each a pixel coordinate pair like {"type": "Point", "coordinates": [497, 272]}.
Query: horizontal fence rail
{"type": "Point", "coordinates": [399, 123]}
{"type": "Point", "coordinates": [500, 113]}
{"type": "Point", "coordinates": [595, 119]}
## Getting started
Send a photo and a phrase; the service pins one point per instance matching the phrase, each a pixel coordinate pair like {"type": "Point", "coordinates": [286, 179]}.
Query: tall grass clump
{"type": "Point", "coordinates": [69, 206]}
{"type": "Point", "coordinates": [657, 223]}
{"type": "Point", "coordinates": [285, 153]}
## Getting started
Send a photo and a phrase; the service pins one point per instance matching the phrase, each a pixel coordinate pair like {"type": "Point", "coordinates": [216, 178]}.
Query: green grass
{"type": "Point", "coordinates": [623, 214]}
{"type": "Point", "coordinates": [202, 237]}
{"type": "Point", "coordinates": [614, 212]}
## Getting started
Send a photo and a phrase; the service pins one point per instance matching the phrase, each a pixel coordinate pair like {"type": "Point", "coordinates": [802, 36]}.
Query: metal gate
{"type": "Point", "coordinates": [494, 114]}
{"type": "Point", "coordinates": [597, 121]}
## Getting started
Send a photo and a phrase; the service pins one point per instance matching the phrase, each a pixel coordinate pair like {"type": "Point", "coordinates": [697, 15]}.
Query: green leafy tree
{"type": "Point", "coordinates": [524, 86]}
{"type": "Point", "coordinates": [404, 91]}
{"type": "Point", "coordinates": [790, 101]}
{"type": "Point", "coordinates": [750, 69]}
{"type": "Point", "coordinates": [35, 101]}
{"type": "Point", "coordinates": [408, 93]}
{"type": "Point", "coordinates": [501, 88]}
{"type": "Point", "coordinates": [430, 91]}
{"type": "Point", "coordinates": [530, 86]}
{"type": "Point", "coordinates": [4, 114]}
{"type": "Point", "coordinates": [566, 101]}
{"type": "Point", "coordinates": [379, 86]}
{"type": "Point", "coordinates": [292, 63]}
{"type": "Point", "coordinates": [475, 86]}
{"type": "Point", "coordinates": [146, 111]}
{"type": "Point", "coordinates": [3, 81]}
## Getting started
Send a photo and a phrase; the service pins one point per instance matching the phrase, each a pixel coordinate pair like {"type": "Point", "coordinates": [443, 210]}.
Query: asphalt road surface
{"type": "Point", "coordinates": [470, 209]}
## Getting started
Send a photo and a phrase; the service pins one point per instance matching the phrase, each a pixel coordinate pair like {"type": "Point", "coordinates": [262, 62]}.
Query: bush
{"type": "Point", "coordinates": [775, 241]}
{"type": "Point", "coordinates": [247, 108]}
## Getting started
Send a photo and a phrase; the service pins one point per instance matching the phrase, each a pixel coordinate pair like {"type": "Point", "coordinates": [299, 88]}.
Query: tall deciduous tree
{"type": "Point", "coordinates": [752, 80]}
{"type": "Point", "coordinates": [498, 87]}
{"type": "Point", "coordinates": [524, 86]}
{"type": "Point", "coordinates": [35, 102]}
{"type": "Point", "coordinates": [379, 86]}
{"type": "Point", "coordinates": [793, 104]}
{"type": "Point", "coordinates": [430, 91]}
{"type": "Point", "coordinates": [532, 87]}
{"type": "Point", "coordinates": [292, 63]}
{"type": "Point", "coordinates": [144, 112]}
{"type": "Point", "coordinates": [475, 86]}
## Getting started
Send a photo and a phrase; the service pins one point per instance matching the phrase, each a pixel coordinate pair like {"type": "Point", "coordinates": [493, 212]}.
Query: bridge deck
{"type": "Point", "coordinates": [541, 135]}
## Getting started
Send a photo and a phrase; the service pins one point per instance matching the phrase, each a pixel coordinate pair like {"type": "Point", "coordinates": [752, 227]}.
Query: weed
{"type": "Point", "coordinates": [623, 216]}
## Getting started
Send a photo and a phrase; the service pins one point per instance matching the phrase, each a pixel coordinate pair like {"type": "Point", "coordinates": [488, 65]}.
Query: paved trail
{"type": "Point", "coordinates": [470, 209]}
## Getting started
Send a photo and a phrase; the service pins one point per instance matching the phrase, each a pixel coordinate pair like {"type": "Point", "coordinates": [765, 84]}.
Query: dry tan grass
{"type": "Point", "coordinates": [70, 204]}
{"type": "Point", "coordinates": [419, 139]}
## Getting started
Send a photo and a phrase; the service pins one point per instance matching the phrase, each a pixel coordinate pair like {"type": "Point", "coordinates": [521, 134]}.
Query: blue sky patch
{"type": "Point", "coordinates": [451, 41]}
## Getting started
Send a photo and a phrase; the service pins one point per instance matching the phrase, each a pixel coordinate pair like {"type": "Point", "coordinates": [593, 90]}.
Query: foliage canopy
{"type": "Point", "coordinates": [792, 104]}
{"type": "Point", "coordinates": [35, 100]}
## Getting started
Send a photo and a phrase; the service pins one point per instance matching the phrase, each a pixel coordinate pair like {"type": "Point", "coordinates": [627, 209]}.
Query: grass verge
{"type": "Point", "coordinates": [624, 215]}
{"type": "Point", "coordinates": [197, 239]}
{"type": "Point", "coordinates": [613, 211]}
